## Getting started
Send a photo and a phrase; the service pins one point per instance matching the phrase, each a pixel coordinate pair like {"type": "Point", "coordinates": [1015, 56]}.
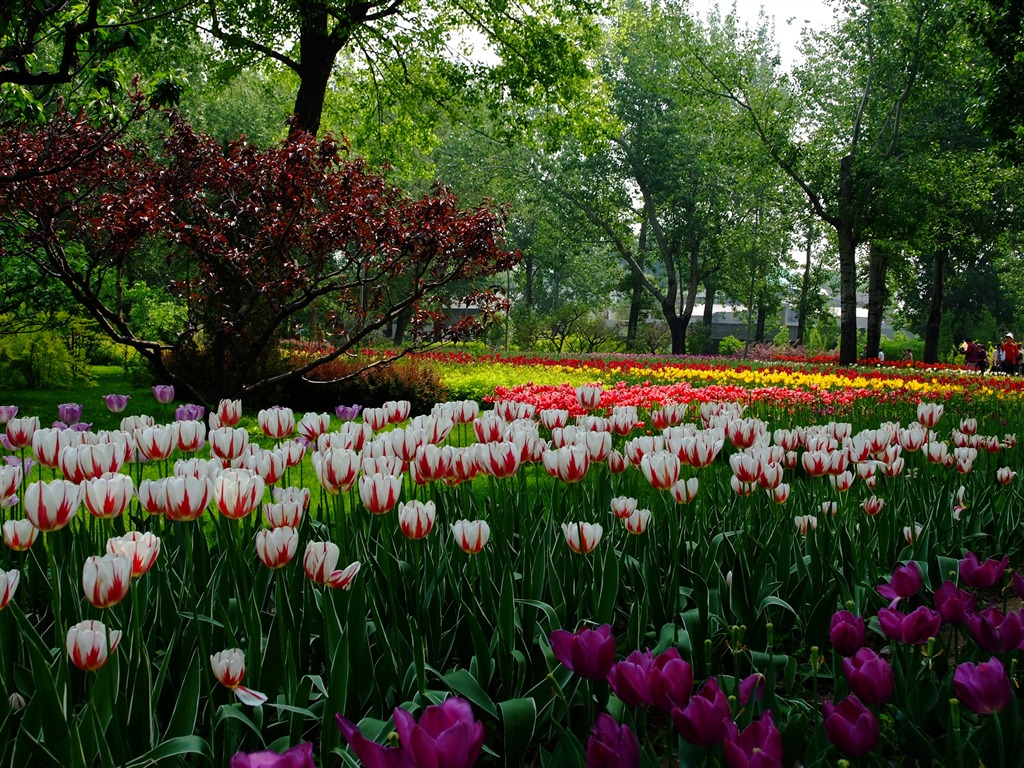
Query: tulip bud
{"type": "Point", "coordinates": [276, 547]}
{"type": "Point", "coordinates": [19, 535]}
{"type": "Point", "coordinates": [16, 701]}
{"type": "Point", "coordinates": [471, 535]}
{"type": "Point", "coordinates": [105, 580]}
{"type": "Point", "coordinates": [89, 643]}
{"type": "Point", "coordinates": [416, 518]}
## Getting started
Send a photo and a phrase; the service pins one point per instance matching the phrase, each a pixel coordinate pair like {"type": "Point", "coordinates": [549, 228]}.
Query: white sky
{"type": "Point", "coordinates": [790, 17]}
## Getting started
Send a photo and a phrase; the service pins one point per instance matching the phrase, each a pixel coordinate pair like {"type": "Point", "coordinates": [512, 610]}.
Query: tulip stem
{"type": "Point", "coordinates": [1000, 744]}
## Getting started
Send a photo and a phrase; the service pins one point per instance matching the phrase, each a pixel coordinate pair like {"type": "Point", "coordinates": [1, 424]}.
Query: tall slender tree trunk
{"type": "Point", "coordinates": [805, 288]}
{"type": "Point", "coordinates": [878, 296]}
{"type": "Point", "coordinates": [933, 325]}
{"type": "Point", "coordinates": [762, 316]}
{"type": "Point", "coordinates": [637, 290]}
{"type": "Point", "coordinates": [846, 231]}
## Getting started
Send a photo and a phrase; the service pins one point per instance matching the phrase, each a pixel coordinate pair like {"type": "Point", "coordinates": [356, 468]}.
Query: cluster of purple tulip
{"type": "Point", "coordinates": [982, 687]}
{"type": "Point", "coordinates": [665, 682]}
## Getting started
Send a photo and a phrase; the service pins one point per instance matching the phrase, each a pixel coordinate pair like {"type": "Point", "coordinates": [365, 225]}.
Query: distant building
{"type": "Point", "coordinates": [730, 319]}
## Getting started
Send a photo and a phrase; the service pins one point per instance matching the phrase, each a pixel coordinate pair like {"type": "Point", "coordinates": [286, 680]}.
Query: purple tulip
{"type": "Point", "coordinates": [347, 412]}
{"type": "Point", "coordinates": [299, 756]}
{"type": "Point", "coordinates": [629, 679]}
{"type": "Point", "coordinates": [981, 575]}
{"type": "Point", "coordinates": [7, 412]}
{"type": "Point", "coordinates": [994, 632]}
{"type": "Point", "coordinates": [670, 681]}
{"type": "Point", "coordinates": [446, 735]}
{"type": "Point", "coordinates": [870, 677]}
{"type": "Point", "coordinates": [705, 720]}
{"type": "Point", "coordinates": [983, 688]}
{"type": "Point", "coordinates": [116, 403]}
{"type": "Point", "coordinates": [851, 727]}
{"type": "Point", "coordinates": [751, 686]}
{"type": "Point", "coordinates": [847, 632]}
{"type": "Point", "coordinates": [612, 745]}
{"type": "Point", "coordinates": [589, 653]}
{"type": "Point", "coordinates": [914, 628]}
{"type": "Point", "coordinates": [189, 412]}
{"type": "Point", "coordinates": [1018, 584]}
{"type": "Point", "coordinates": [954, 604]}
{"type": "Point", "coordinates": [758, 746]}
{"type": "Point", "coordinates": [69, 413]}
{"type": "Point", "coordinates": [164, 393]}
{"type": "Point", "coordinates": [26, 464]}
{"type": "Point", "coordinates": [905, 582]}
{"type": "Point", "coordinates": [370, 753]}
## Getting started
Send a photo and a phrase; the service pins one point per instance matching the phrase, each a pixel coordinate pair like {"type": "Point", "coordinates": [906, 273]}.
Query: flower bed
{"type": "Point", "coordinates": [621, 575]}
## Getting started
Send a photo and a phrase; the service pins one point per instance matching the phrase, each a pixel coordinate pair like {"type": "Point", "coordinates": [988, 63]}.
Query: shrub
{"type": "Point", "coordinates": [41, 359]}
{"type": "Point", "coordinates": [730, 345]}
{"type": "Point", "coordinates": [407, 378]}
{"type": "Point", "coordinates": [698, 339]}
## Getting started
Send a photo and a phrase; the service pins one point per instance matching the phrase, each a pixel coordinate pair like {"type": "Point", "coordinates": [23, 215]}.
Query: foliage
{"type": "Point", "coordinates": [41, 358]}
{"type": "Point", "coordinates": [730, 346]}
{"type": "Point", "coordinates": [254, 238]}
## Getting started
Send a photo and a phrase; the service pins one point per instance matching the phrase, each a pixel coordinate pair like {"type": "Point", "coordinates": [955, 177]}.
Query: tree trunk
{"type": "Point", "coordinates": [528, 288]}
{"type": "Point", "coordinates": [934, 323]}
{"type": "Point", "coordinates": [878, 296]}
{"type": "Point", "coordinates": [847, 265]}
{"type": "Point", "coordinates": [762, 314]}
{"type": "Point", "coordinates": [637, 289]}
{"type": "Point", "coordinates": [710, 289]}
{"type": "Point", "coordinates": [318, 50]}
{"type": "Point", "coordinates": [805, 289]}
{"type": "Point", "coordinates": [677, 325]}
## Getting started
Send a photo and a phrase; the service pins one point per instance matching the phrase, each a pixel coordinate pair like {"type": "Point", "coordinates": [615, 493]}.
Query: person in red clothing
{"type": "Point", "coordinates": [1011, 354]}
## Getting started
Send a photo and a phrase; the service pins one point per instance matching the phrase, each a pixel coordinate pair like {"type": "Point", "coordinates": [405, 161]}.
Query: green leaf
{"type": "Point", "coordinates": [180, 745]}
{"type": "Point", "coordinates": [519, 717]}
{"type": "Point", "coordinates": [464, 684]}
{"type": "Point", "coordinates": [186, 707]}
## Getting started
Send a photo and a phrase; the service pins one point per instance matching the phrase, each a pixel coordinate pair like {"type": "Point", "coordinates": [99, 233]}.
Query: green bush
{"type": "Point", "coordinates": [730, 345]}
{"type": "Point", "coordinates": [41, 359]}
{"type": "Point", "coordinates": [698, 339]}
